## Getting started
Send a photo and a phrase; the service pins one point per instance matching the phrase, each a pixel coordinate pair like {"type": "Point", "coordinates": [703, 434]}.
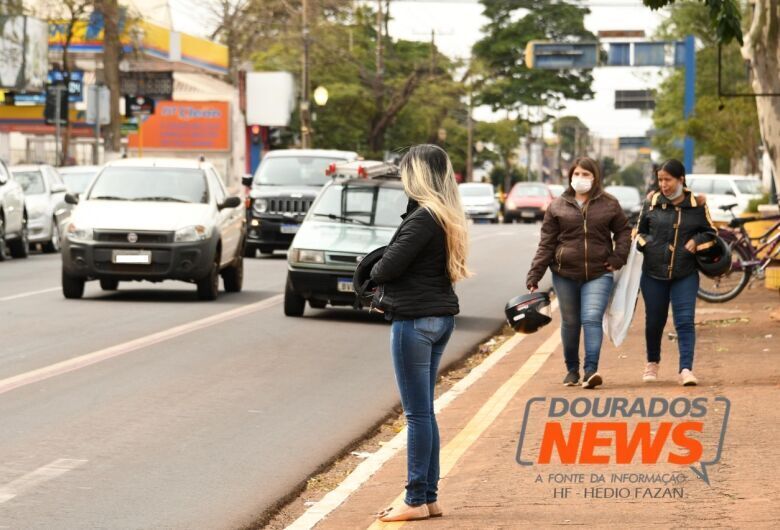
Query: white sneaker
{"type": "Point", "coordinates": [687, 378]}
{"type": "Point", "coordinates": [651, 373]}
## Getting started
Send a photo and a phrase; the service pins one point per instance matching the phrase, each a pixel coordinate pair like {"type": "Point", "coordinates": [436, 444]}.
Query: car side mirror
{"type": "Point", "coordinates": [72, 198]}
{"type": "Point", "coordinates": [246, 180]}
{"type": "Point", "coordinates": [230, 202]}
{"type": "Point", "coordinates": [59, 189]}
{"type": "Point", "coordinates": [731, 192]}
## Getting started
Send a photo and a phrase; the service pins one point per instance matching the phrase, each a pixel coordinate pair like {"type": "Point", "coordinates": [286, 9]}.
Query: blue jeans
{"type": "Point", "coordinates": [657, 294]}
{"type": "Point", "coordinates": [417, 346]}
{"type": "Point", "coordinates": [582, 305]}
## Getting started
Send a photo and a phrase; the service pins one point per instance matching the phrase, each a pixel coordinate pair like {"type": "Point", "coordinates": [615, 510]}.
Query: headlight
{"type": "Point", "coordinates": [74, 233]}
{"type": "Point", "coordinates": [261, 205]}
{"type": "Point", "coordinates": [510, 204]}
{"type": "Point", "coordinates": [298, 255]}
{"type": "Point", "coordinates": [191, 233]}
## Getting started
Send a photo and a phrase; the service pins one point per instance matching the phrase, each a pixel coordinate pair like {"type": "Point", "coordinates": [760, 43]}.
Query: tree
{"type": "Point", "coordinates": [112, 49]}
{"type": "Point", "coordinates": [725, 129]}
{"type": "Point", "coordinates": [509, 85]}
{"type": "Point", "coordinates": [761, 46]}
{"type": "Point", "coordinates": [502, 139]}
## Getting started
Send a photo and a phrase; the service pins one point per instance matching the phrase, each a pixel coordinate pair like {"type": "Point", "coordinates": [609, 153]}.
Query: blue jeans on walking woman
{"type": "Point", "coordinates": [682, 295]}
{"type": "Point", "coordinates": [417, 346]}
{"type": "Point", "coordinates": [582, 305]}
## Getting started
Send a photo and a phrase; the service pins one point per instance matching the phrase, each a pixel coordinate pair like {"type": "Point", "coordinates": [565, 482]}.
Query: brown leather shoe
{"type": "Point", "coordinates": [404, 513]}
{"type": "Point", "coordinates": [434, 509]}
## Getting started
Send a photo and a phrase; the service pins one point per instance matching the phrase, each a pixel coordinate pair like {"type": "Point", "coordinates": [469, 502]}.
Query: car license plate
{"type": "Point", "coordinates": [345, 285]}
{"type": "Point", "coordinates": [289, 229]}
{"type": "Point", "coordinates": [134, 257]}
{"type": "Point", "coordinates": [528, 214]}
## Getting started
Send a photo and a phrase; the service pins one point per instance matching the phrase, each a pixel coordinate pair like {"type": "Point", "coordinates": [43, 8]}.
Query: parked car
{"type": "Point", "coordinates": [13, 217]}
{"type": "Point", "coordinates": [282, 190]}
{"type": "Point", "coordinates": [77, 178]}
{"type": "Point", "coordinates": [44, 198]}
{"type": "Point", "coordinates": [155, 219]}
{"type": "Point", "coordinates": [556, 189]}
{"type": "Point", "coordinates": [527, 201]}
{"type": "Point", "coordinates": [630, 200]}
{"type": "Point", "coordinates": [721, 190]}
{"type": "Point", "coordinates": [356, 212]}
{"type": "Point", "coordinates": [479, 201]}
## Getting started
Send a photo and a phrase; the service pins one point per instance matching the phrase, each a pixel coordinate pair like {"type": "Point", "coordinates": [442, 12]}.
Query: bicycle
{"type": "Point", "coordinates": [746, 263]}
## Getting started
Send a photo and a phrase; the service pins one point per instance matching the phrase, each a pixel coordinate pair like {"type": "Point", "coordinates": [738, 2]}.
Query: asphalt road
{"type": "Point", "coordinates": [145, 408]}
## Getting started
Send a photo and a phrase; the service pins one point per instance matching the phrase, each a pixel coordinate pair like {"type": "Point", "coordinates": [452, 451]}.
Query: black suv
{"type": "Point", "coordinates": [282, 190]}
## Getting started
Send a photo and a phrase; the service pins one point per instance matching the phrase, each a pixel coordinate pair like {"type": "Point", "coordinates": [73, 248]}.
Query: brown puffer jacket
{"type": "Point", "coordinates": [577, 243]}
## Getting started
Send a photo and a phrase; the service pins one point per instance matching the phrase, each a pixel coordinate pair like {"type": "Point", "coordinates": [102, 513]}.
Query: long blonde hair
{"type": "Point", "coordinates": [428, 178]}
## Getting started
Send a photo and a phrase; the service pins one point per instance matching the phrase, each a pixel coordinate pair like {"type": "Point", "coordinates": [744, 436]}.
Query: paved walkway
{"type": "Point", "coordinates": [483, 486]}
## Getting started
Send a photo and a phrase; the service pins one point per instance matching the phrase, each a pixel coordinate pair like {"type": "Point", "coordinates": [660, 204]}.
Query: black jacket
{"type": "Point", "coordinates": [664, 229]}
{"type": "Point", "coordinates": [412, 274]}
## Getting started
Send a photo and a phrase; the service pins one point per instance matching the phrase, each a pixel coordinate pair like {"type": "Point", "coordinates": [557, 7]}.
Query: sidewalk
{"type": "Point", "coordinates": [482, 485]}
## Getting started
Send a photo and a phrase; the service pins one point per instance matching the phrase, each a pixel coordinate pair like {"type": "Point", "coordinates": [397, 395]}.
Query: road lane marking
{"type": "Point", "coordinates": [484, 418]}
{"type": "Point", "coordinates": [368, 467]}
{"type": "Point", "coordinates": [30, 293]}
{"type": "Point", "coordinates": [43, 474]}
{"type": "Point", "coordinates": [88, 359]}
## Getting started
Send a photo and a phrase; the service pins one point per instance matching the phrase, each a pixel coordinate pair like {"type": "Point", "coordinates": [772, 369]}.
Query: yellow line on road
{"type": "Point", "coordinates": [456, 448]}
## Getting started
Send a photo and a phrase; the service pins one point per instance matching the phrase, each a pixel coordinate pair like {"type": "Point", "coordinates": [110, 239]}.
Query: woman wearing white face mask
{"type": "Point", "coordinates": [585, 237]}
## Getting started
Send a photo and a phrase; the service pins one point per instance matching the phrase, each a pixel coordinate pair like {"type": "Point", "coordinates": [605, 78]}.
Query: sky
{"type": "Point", "coordinates": [458, 25]}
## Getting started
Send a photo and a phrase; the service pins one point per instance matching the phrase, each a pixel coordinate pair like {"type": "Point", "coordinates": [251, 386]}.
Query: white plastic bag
{"type": "Point", "coordinates": [620, 311]}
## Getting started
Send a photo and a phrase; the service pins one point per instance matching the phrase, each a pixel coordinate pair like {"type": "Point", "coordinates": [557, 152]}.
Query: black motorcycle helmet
{"type": "Point", "coordinates": [716, 260]}
{"type": "Point", "coordinates": [529, 312]}
{"type": "Point", "coordinates": [361, 280]}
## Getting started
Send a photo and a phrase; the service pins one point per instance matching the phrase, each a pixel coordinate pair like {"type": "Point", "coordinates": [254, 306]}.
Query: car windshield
{"type": "Point", "coordinates": [476, 191]}
{"type": "Point", "coordinates": [293, 171]}
{"type": "Point", "coordinates": [556, 189]}
{"type": "Point", "coordinates": [750, 187]}
{"type": "Point", "coordinates": [624, 194]}
{"type": "Point", "coordinates": [31, 181]}
{"type": "Point", "coordinates": [530, 191]}
{"type": "Point", "coordinates": [361, 204]}
{"type": "Point", "coordinates": [77, 182]}
{"type": "Point", "coordinates": [150, 184]}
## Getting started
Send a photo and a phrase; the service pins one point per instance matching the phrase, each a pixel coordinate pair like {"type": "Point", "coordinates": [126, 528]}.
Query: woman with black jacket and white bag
{"type": "Point", "coordinates": [414, 277]}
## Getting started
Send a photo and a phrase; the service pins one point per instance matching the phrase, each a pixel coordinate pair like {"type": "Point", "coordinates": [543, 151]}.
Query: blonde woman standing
{"type": "Point", "coordinates": [415, 276]}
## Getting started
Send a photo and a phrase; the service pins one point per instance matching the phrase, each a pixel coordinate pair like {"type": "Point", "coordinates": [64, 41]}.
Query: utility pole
{"type": "Point", "coordinates": [469, 137]}
{"type": "Point", "coordinates": [305, 114]}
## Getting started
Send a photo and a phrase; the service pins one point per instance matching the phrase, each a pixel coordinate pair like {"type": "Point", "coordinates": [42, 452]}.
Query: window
{"type": "Point", "coordinates": [359, 202]}
{"type": "Point", "coordinates": [3, 173]}
{"type": "Point", "coordinates": [31, 181]}
{"type": "Point", "coordinates": [619, 54]}
{"type": "Point", "coordinates": [216, 186]}
{"type": "Point", "coordinates": [635, 99]}
{"type": "Point", "coordinates": [649, 54]}
{"type": "Point", "coordinates": [293, 171]}
{"type": "Point", "coordinates": [700, 185]}
{"type": "Point", "coordinates": [750, 187]}
{"type": "Point", "coordinates": [722, 187]}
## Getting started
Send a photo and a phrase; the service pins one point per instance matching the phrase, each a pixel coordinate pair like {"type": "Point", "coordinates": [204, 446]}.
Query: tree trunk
{"type": "Point", "coordinates": [111, 56]}
{"type": "Point", "coordinates": [762, 48]}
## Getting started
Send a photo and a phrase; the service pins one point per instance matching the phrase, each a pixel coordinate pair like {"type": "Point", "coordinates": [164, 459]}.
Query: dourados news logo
{"type": "Point", "coordinates": [615, 430]}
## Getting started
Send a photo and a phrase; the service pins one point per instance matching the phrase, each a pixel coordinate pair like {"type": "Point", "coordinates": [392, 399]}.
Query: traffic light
{"type": "Point", "coordinates": [50, 108]}
{"type": "Point", "coordinates": [255, 135]}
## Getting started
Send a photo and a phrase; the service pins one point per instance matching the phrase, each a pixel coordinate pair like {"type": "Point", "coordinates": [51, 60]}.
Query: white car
{"type": "Point", "coordinates": [77, 178]}
{"type": "Point", "coordinates": [13, 217]}
{"type": "Point", "coordinates": [479, 201]}
{"type": "Point", "coordinates": [44, 197]}
{"type": "Point", "coordinates": [154, 220]}
{"type": "Point", "coordinates": [722, 190]}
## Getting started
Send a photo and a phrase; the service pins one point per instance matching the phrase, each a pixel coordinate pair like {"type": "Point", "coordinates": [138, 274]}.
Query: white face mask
{"type": "Point", "coordinates": [676, 193]}
{"type": "Point", "coordinates": [581, 185]}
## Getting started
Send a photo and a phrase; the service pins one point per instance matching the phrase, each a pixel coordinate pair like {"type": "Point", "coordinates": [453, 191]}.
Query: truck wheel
{"type": "Point", "coordinates": [317, 304]}
{"type": "Point", "coordinates": [266, 251]}
{"type": "Point", "coordinates": [208, 286]}
{"type": "Point", "coordinates": [233, 276]}
{"type": "Point", "coordinates": [72, 287]}
{"type": "Point", "coordinates": [294, 305]}
{"type": "Point", "coordinates": [4, 255]}
{"type": "Point", "coordinates": [109, 284]}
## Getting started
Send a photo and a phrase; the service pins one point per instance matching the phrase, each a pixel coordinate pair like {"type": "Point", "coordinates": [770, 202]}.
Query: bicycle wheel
{"type": "Point", "coordinates": [728, 286]}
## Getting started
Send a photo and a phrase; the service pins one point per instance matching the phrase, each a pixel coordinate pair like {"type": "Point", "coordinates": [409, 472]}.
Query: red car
{"type": "Point", "coordinates": [527, 202]}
